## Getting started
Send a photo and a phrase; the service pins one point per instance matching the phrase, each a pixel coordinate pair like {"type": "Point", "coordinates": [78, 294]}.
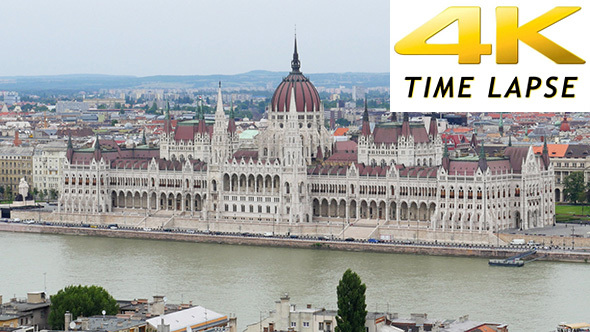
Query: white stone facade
{"type": "Point", "coordinates": [48, 162]}
{"type": "Point", "coordinates": [200, 171]}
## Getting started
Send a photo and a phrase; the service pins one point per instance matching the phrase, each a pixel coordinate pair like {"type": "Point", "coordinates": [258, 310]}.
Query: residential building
{"type": "Point", "coordinates": [16, 163]}
{"type": "Point", "coordinates": [32, 311]}
{"type": "Point", "coordinates": [567, 159]}
{"type": "Point", "coordinates": [290, 317]}
{"type": "Point", "coordinates": [48, 162]}
{"type": "Point", "coordinates": [196, 318]}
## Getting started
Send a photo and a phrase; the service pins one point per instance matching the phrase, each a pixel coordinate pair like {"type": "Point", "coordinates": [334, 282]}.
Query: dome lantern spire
{"type": "Point", "coordinates": [295, 64]}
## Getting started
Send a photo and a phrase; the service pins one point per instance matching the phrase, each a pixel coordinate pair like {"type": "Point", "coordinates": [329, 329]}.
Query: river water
{"type": "Point", "coordinates": [246, 281]}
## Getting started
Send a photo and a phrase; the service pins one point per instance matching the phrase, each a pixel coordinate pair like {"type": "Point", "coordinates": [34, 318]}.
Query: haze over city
{"type": "Point", "coordinates": [191, 37]}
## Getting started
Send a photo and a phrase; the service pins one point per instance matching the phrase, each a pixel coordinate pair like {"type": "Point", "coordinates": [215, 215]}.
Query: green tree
{"type": "Point", "coordinates": [351, 303]}
{"type": "Point", "coordinates": [52, 194]}
{"type": "Point", "coordinates": [574, 189]}
{"type": "Point", "coordinates": [1, 192]}
{"type": "Point", "coordinates": [342, 122]}
{"type": "Point", "coordinates": [153, 109]}
{"type": "Point", "coordinates": [80, 301]}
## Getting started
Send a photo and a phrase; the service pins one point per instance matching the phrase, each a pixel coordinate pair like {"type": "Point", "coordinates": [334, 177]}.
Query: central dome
{"type": "Point", "coordinates": [307, 97]}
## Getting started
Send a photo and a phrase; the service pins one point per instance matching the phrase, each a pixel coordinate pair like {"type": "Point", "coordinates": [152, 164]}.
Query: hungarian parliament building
{"type": "Point", "coordinates": [400, 173]}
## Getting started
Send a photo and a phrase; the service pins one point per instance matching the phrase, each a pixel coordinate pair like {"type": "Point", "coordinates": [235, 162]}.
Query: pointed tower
{"type": "Point", "coordinates": [433, 130]}
{"type": "Point", "coordinates": [545, 155]}
{"type": "Point", "coordinates": [501, 125]}
{"type": "Point", "coordinates": [219, 141]}
{"type": "Point", "coordinates": [295, 64]}
{"type": "Point", "coordinates": [97, 151]}
{"type": "Point", "coordinates": [406, 125]}
{"type": "Point", "coordinates": [143, 138]}
{"type": "Point", "coordinates": [446, 160]}
{"type": "Point", "coordinates": [482, 163]}
{"type": "Point", "coordinates": [294, 170]}
{"type": "Point", "coordinates": [510, 140]}
{"type": "Point", "coordinates": [474, 142]}
{"type": "Point", "coordinates": [231, 124]}
{"type": "Point", "coordinates": [393, 117]}
{"type": "Point", "coordinates": [366, 129]}
{"type": "Point", "coordinates": [70, 148]}
{"type": "Point", "coordinates": [168, 124]}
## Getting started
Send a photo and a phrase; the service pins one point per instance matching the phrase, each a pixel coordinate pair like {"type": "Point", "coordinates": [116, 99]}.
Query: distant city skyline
{"type": "Point", "coordinates": [198, 37]}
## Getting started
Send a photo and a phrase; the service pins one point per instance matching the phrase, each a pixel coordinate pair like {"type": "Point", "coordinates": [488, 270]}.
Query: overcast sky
{"type": "Point", "coordinates": [191, 37]}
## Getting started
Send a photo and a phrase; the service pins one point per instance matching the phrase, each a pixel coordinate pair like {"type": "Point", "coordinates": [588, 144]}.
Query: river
{"type": "Point", "coordinates": [246, 281]}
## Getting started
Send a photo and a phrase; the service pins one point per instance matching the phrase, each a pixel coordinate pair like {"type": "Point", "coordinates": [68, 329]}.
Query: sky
{"type": "Point", "coordinates": [191, 37]}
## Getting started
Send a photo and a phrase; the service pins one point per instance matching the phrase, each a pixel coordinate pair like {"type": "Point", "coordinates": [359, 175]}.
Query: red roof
{"type": "Point", "coordinates": [390, 135]}
{"type": "Point", "coordinates": [307, 97]}
{"type": "Point", "coordinates": [340, 131]}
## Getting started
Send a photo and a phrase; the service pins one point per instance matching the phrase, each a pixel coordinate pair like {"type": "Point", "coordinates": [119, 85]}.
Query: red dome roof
{"type": "Point", "coordinates": [306, 95]}
{"type": "Point", "coordinates": [565, 126]}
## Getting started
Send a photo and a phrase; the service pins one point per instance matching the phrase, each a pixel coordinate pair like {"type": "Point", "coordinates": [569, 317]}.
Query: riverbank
{"type": "Point", "coordinates": [402, 248]}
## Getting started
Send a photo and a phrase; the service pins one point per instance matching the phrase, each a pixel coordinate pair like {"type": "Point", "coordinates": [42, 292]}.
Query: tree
{"type": "Point", "coordinates": [574, 188]}
{"type": "Point", "coordinates": [342, 122]}
{"type": "Point", "coordinates": [52, 194]}
{"type": "Point", "coordinates": [8, 193]}
{"type": "Point", "coordinates": [351, 303]}
{"type": "Point", "coordinates": [80, 301]}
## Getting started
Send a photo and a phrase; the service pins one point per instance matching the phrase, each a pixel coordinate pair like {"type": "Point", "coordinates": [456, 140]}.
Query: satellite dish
{"type": "Point", "coordinates": [165, 299]}
{"type": "Point", "coordinates": [72, 325]}
{"type": "Point", "coordinates": [103, 312]}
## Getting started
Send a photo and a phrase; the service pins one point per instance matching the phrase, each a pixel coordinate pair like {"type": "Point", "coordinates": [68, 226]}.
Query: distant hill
{"type": "Point", "coordinates": [256, 78]}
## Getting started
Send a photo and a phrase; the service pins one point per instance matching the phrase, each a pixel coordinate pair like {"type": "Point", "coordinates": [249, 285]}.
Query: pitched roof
{"type": "Point", "coordinates": [388, 134]}
{"type": "Point", "coordinates": [555, 150]}
{"type": "Point", "coordinates": [340, 131]}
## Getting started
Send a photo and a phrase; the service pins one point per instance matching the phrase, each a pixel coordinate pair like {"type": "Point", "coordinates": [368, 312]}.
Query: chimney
{"type": "Point", "coordinates": [67, 320]}
{"type": "Point", "coordinates": [308, 306]}
{"type": "Point", "coordinates": [158, 306]}
{"type": "Point", "coordinates": [85, 324]}
{"type": "Point", "coordinates": [271, 327]}
{"type": "Point", "coordinates": [265, 329]}
{"type": "Point", "coordinates": [233, 324]}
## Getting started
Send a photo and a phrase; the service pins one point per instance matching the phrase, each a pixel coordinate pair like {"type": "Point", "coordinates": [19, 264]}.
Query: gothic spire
{"type": "Point", "coordinates": [96, 143]}
{"type": "Point", "coordinates": [406, 125]}
{"type": "Point", "coordinates": [545, 154]}
{"type": "Point", "coordinates": [366, 129]}
{"type": "Point", "coordinates": [70, 150]}
{"type": "Point", "coordinates": [219, 110]}
{"type": "Point", "coordinates": [70, 146]}
{"type": "Point", "coordinates": [97, 151]}
{"type": "Point", "coordinates": [483, 162]}
{"type": "Point", "coordinates": [143, 138]}
{"type": "Point", "coordinates": [231, 124]}
{"type": "Point", "coordinates": [295, 64]}
{"type": "Point", "coordinates": [446, 160]}
{"type": "Point", "coordinates": [510, 140]}
{"type": "Point", "coordinates": [433, 130]}
{"type": "Point", "coordinates": [231, 107]}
